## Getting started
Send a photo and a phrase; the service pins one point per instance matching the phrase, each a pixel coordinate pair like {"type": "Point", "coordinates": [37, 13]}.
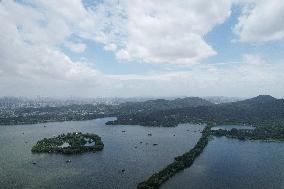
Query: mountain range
{"type": "Point", "coordinates": [258, 110]}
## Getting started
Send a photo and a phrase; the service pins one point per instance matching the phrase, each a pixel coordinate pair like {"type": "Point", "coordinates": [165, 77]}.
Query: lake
{"type": "Point", "coordinates": [102, 170]}
{"type": "Point", "coordinates": [234, 164]}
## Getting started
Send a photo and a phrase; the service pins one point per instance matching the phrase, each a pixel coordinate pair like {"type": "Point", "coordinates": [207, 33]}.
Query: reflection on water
{"type": "Point", "coordinates": [234, 164]}
{"type": "Point", "coordinates": [128, 157]}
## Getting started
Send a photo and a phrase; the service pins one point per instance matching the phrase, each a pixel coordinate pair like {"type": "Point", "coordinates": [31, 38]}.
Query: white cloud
{"type": "Point", "coordinates": [122, 54]}
{"type": "Point", "coordinates": [261, 20]}
{"type": "Point", "coordinates": [169, 32]}
{"type": "Point", "coordinates": [76, 47]}
{"type": "Point", "coordinates": [253, 59]}
{"type": "Point", "coordinates": [31, 62]}
{"type": "Point", "coordinates": [250, 77]}
{"type": "Point", "coordinates": [110, 47]}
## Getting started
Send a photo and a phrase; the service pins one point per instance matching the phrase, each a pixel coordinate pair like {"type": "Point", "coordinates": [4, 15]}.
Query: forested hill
{"type": "Point", "coordinates": [160, 104]}
{"type": "Point", "coordinates": [160, 112]}
{"type": "Point", "coordinates": [258, 110]}
{"type": "Point", "coordinates": [30, 115]}
{"type": "Point", "coordinates": [261, 99]}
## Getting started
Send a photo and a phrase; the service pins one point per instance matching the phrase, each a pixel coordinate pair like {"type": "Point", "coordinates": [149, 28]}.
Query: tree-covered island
{"type": "Point", "coordinates": [70, 143]}
{"type": "Point", "coordinates": [267, 134]}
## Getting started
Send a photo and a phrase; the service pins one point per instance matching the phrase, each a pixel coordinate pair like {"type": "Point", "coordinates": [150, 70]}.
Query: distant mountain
{"type": "Point", "coordinates": [161, 104]}
{"type": "Point", "coordinates": [260, 99]}
{"type": "Point", "coordinates": [20, 111]}
{"type": "Point", "coordinates": [257, 110]}
{"type": "Point", "coordinates": [222, 99]}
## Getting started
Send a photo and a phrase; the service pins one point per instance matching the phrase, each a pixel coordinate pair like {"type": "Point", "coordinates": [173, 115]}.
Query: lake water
{"type": "Point", "coordinates": [234, 164]}
{"type": "Point", "coordinates": [101, 170]}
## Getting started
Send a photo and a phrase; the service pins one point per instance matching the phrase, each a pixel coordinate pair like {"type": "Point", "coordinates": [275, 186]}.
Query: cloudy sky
{"type": "Point", "coordinates": [91, 48]}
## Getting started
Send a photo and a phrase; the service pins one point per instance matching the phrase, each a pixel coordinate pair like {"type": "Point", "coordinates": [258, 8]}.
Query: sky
{"type": "Point", "coordinates": [141, 48]}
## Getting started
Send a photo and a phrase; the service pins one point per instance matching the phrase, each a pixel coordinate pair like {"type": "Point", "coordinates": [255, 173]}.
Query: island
{"type": "Point", "coordinates": [70, 143]}
{"type": "Point", "coordinates": [267, 134]}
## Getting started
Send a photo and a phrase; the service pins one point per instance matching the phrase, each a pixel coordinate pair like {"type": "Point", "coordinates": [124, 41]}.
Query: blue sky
{"type": "Point", "coordinates": [229, 49]}
{"type": "Point", "coordinates": [141, 48]}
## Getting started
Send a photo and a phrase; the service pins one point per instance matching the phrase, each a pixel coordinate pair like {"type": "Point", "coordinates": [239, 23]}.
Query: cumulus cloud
{"type": "Point", "coordinates": [170, 32]}
{"type": "Point", "coordinates": [75, 47]}
{"type": "Point", "coordinates": [31, 63]}
{"type": "Point", "coordinates": [261, 21]}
